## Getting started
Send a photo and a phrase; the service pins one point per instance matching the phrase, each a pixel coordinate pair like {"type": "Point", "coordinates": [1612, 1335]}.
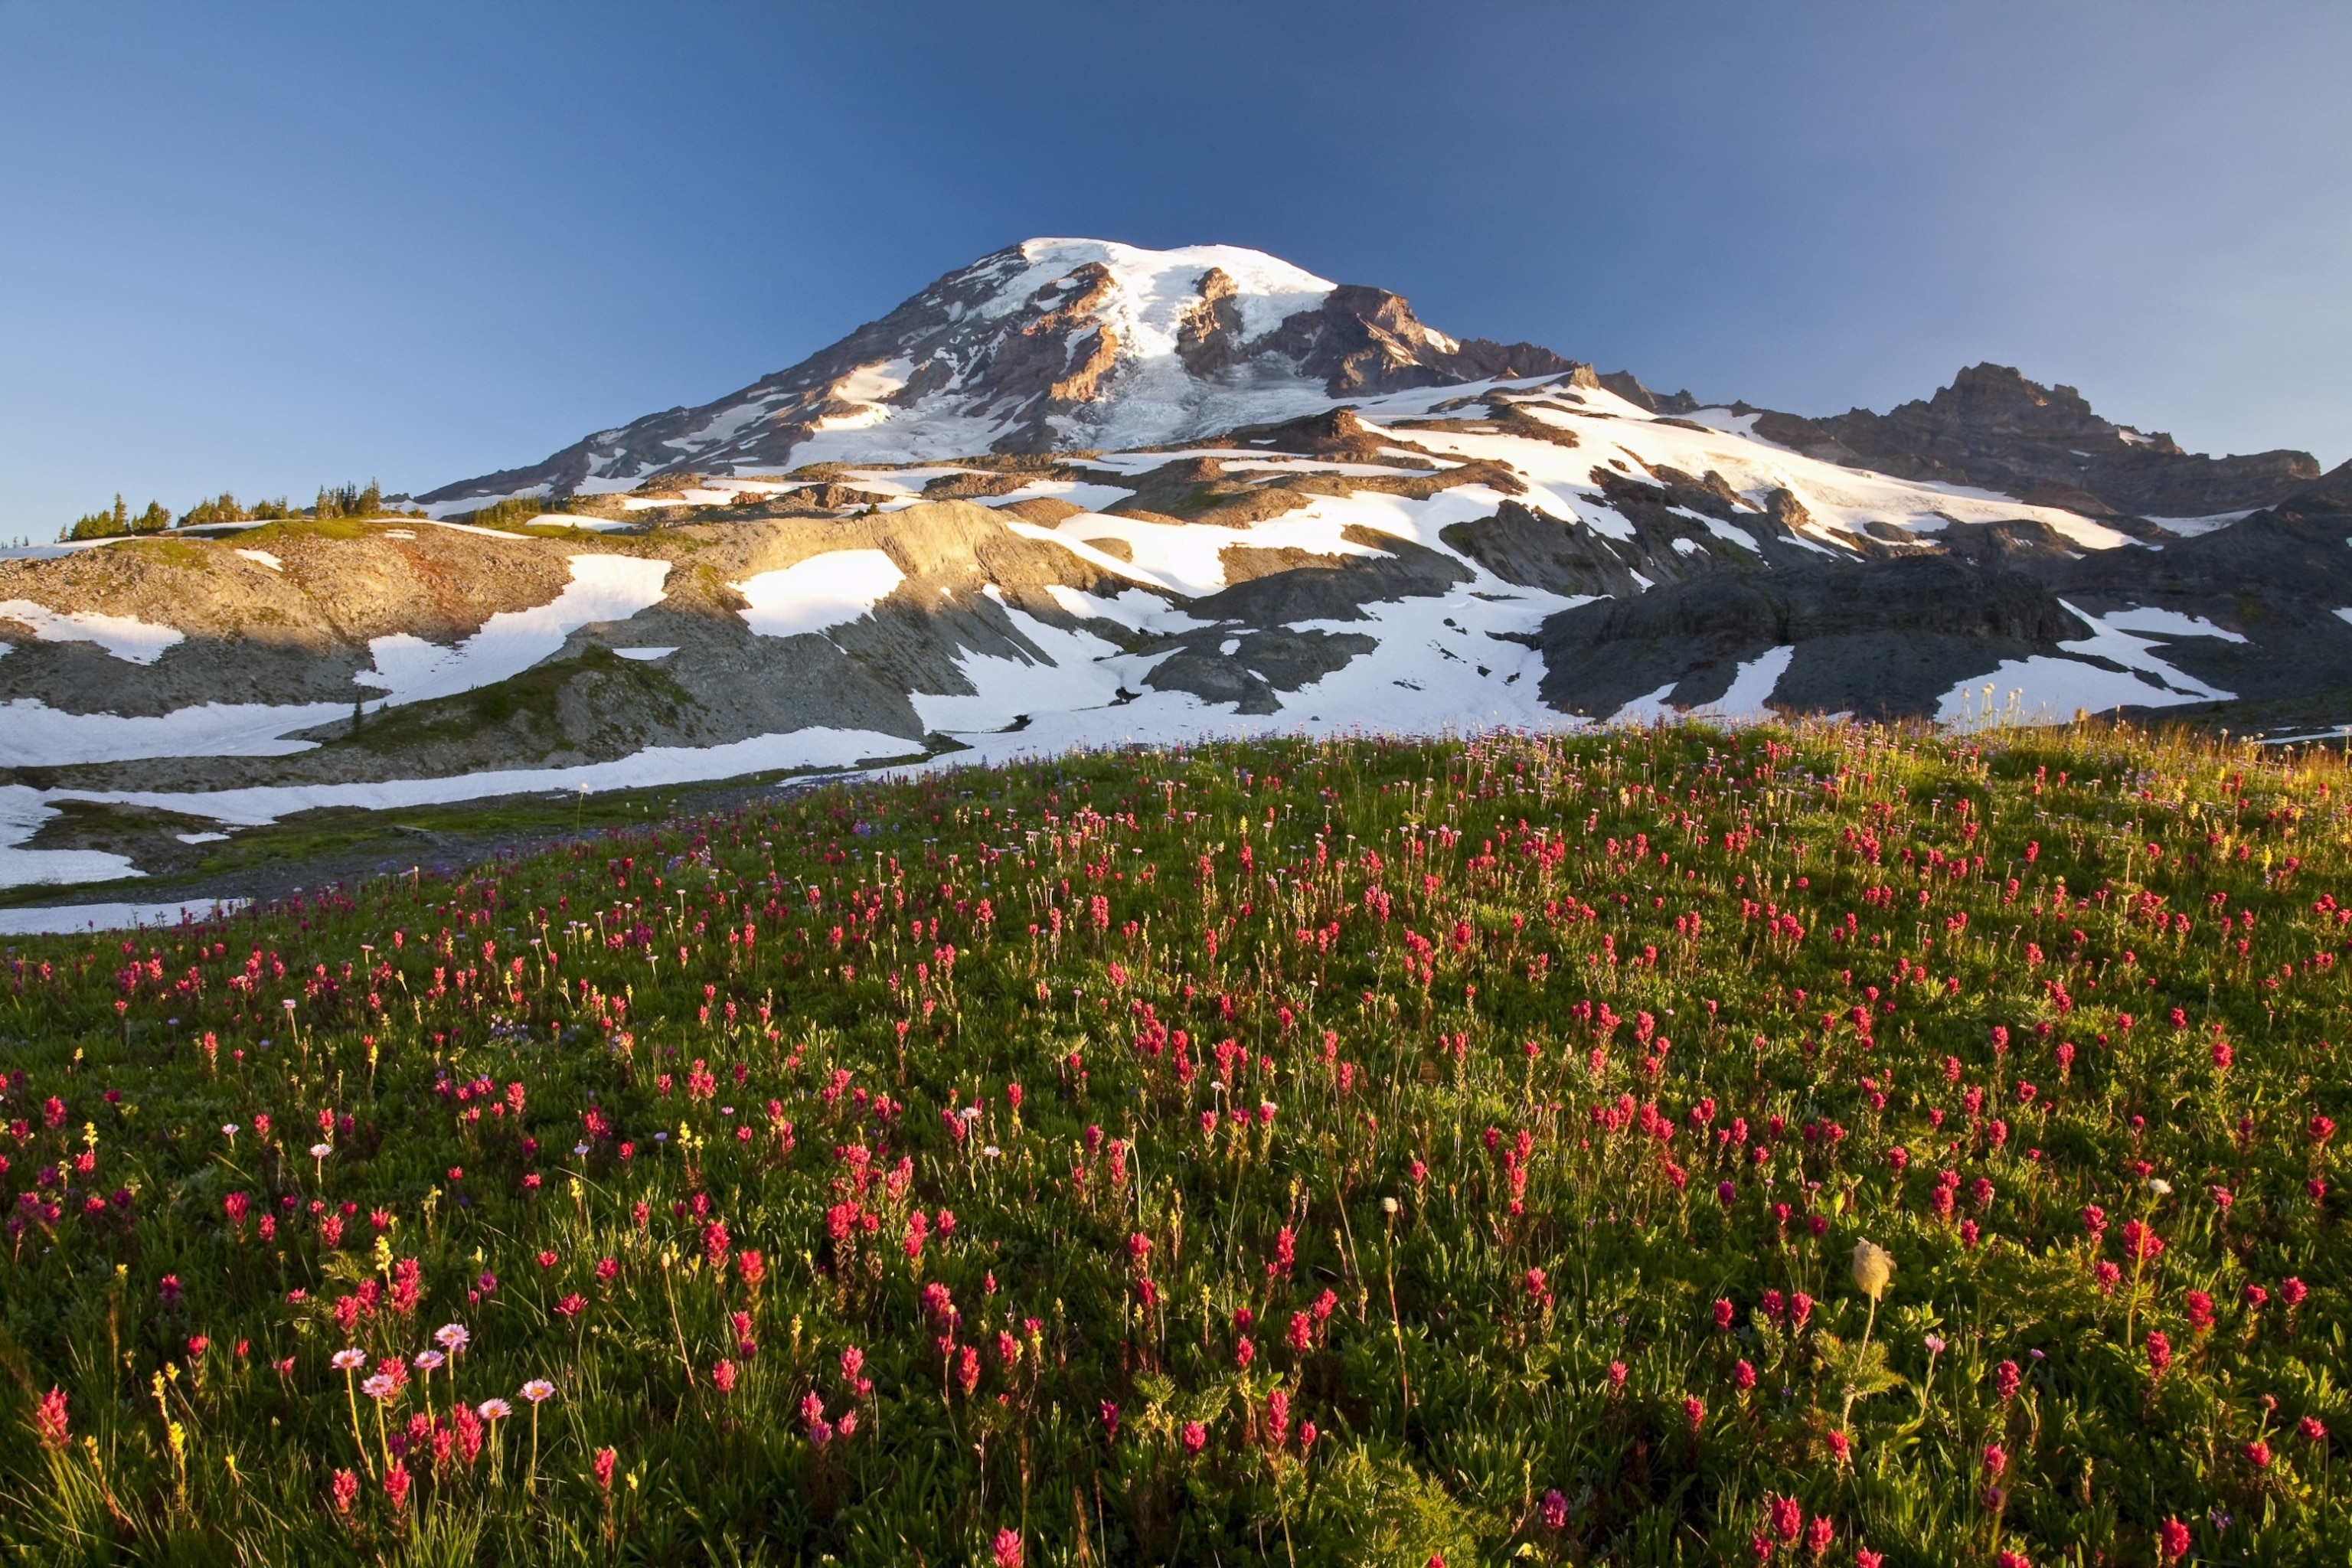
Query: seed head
{"type": "Point", "coordinates": [1874, 1269]}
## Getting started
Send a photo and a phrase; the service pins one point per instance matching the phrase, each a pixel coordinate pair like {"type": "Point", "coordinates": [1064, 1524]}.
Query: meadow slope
{"type": "Point", "coordinates": [1330, 1151]}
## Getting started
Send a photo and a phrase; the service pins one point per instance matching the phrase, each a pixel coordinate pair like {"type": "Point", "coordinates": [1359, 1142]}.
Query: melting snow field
{"type": "Point", "coordinates": [1443, 662]}
{"type": "Point", "coordinates": [602, 588]}
{"type": "Point", "coordinates": [1743, 703]}
{"type": "Point", "coordinates": [2048, 690]}
{"type": "Point", "coordinates": [655, 767]}
{"type": "Point", "coordinates": [407, 670]}
{"type": "Point", "coordinates": [125, 636]}
{"type": "Point", "coordinates": [68, 919]}
{"type": "Point", "coordinates": [823, 591]}
{"type": "Point", "coordinates": [33, 734]}
{"type": "Point", "coordinates": [22, 812]}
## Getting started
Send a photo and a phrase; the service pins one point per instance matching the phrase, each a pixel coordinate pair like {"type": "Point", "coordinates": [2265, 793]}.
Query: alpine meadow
{"type": "Point", "coordinates": [1806, 1143]}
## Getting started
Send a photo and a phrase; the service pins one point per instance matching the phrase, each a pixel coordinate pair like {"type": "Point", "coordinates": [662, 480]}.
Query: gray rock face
{"type": "Point", "coordinates": [1994, 429]}
{"type": "Point", "coordinates": [1879, 638]}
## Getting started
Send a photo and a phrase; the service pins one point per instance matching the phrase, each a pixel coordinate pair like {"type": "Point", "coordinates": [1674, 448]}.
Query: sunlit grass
{"type": "Point", "coordinates": [1319, 1152]}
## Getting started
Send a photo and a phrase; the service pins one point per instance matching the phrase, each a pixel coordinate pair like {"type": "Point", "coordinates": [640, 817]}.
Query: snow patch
{"type": "Point", "coordinates": [33, 734]}
{"type": "Point", "coordinates": [653, 768]}
{"type": "Point", "coordinates": [2047, 691]}
{"type": "Point", "coordinates": [602, 588]}
{"type": "Point", "coordinates": [72, 920]}
{"type": "Point", "coordinates": [828, 590]}
{"type": "Point", "coordinates": [2190, 527]}
{"type": "Point", "coordinates": [1752, 687]}
{"type": "Point", "coordinates": [125, 637]}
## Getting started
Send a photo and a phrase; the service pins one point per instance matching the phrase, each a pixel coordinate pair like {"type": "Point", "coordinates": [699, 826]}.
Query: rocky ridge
{"type": "Point", "coordinates": [1094, 495]}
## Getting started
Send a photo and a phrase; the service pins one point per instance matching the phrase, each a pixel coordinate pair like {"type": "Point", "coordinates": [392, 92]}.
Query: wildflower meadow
{"type": "Point", "coordinates": [1824, 1144]}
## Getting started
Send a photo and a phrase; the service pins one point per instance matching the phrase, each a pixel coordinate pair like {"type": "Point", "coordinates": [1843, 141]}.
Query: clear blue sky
{"type": "Point", "coordinates": [267, 246]}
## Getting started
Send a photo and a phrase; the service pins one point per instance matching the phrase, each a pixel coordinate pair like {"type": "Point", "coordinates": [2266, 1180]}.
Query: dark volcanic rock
{"type": "Point", "coordinates": [1994, 429]}
{"type": "Point", "coordinates": [1881, 638]}
{"type": "Point", "coordinates": [1366, 340]}
{"type": "Point", "coordinates": [1625, 384]}
{"type": "Point", "coordinates": [1264, 662]}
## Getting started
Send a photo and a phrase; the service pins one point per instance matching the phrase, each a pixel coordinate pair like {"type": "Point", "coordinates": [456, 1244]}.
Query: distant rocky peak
{"type": "Point", "coordinates": [1994, 427]}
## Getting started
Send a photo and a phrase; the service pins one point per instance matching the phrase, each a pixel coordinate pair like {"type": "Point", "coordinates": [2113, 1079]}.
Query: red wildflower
{"type": "Point", "coordinates": [2141, 1244]}
{"type": "Point", "coordinates": [50, 1419]}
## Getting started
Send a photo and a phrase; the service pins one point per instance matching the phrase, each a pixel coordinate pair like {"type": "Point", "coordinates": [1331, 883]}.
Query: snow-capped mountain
{"type": "Point", "coordinates": [1051, 345]}
{"type": "Point", "coordinates": [1080, 494]}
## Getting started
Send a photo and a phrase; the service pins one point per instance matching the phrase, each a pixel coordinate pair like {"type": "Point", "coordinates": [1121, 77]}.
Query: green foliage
{"type": "Point", "coordinates": [212, 510]}
{"type": "Point", "coordinates": [349, 501]}
{"type": "Point", "coordinates": [515, 510]}
{"type": "Point", "coordinates": [111, 524]}
{"type": "Point", "coordinates": [119, 520]}
{"type": "Point", "coordinates": [1529, 1095]}
{"type": "Point", "coordinates": [225, 507]}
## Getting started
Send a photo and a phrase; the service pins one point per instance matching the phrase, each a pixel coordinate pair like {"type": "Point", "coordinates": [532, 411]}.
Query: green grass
{"type": "Point", "coordinates": [1531, 1095]}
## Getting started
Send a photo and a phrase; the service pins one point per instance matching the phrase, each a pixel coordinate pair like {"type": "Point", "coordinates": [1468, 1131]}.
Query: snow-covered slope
{"type": "Point", "coordinates": [1083, 494]}
{"type": "Point", "coordinates": [1049, 346]}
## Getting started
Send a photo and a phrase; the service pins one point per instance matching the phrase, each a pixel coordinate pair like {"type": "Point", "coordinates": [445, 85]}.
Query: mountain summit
{"type": "Point", "coordinates": [1078, 494]}
{"type": "Point", "coordinates": [1048, 345]}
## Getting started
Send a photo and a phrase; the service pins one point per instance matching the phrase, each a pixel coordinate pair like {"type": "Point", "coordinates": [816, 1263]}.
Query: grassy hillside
{"type": "Point", "coordinates": [1338, 1152]}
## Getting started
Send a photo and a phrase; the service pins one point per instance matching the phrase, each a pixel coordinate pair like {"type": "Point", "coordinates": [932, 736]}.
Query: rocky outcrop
{"type": "Point", "coordinates": [1625, 384]}
{"type": "Point", "coordinates": [1364, 339]}
{"type": "Point", "coordinates": [1994, 429]}
{"type": "Point", "coordinates": [1881, 638]}
{"type": "Point", "coordinates": [1208, 333]}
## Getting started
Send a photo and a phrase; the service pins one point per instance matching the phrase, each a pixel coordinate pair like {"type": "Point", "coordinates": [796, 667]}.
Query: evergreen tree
{"type": "Point", "coordinates": [223, 508]}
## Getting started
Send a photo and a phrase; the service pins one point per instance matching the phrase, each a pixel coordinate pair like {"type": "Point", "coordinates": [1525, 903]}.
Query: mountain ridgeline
{"type": "Point", "coordinates": [1079, 493]}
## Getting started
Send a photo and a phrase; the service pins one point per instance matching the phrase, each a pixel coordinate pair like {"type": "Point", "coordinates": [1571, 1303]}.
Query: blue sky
{"type": "Point", "coordinates": [269, 246]}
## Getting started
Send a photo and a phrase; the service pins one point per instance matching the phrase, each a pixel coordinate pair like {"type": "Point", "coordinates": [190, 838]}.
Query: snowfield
{"type": "Point", "coordinates": [818, 594]}
{"type": "Point", "coordinates": [1457, 660]}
